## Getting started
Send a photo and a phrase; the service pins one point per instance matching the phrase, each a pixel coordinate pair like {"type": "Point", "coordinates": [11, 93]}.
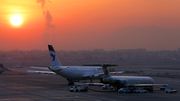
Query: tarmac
{"type": "Point", "coordinates": [19, 86]}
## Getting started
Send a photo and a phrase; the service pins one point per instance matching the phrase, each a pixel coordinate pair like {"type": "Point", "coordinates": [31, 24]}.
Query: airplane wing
{"type": "Point", "coordinates": [47, 71]}
{"type": "Point", "coordinates": [40, 72]}
{"type": "Point", "coordinates": [119, 72]}
{"type": "Point", "coordinates": [41, 68]}
{"type": "Point", "coordinates": [100, 74]}
{"type": "Point", "coordinates": [96, 84]}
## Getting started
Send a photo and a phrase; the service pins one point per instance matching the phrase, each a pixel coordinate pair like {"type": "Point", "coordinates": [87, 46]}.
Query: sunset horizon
{"type": "Point", "coordinates": [89, 25]}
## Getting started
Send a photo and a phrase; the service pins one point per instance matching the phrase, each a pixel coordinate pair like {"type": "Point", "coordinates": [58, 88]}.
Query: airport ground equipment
{"type": "Point", "coordinates": [140, 91]}
{"type": "Point", "coordinates": [107, 87]}
{"type": "Point", "coordinates": [124, 90]}
{"type": "Point", "coordinates": [132, 90]}
{"type": "Point", "coordinates": [79, 87]}
{"type": "Point", "coordinates": [170, 90]}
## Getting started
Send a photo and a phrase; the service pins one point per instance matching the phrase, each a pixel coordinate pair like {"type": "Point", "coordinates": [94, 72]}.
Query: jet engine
{"type": "Point", "coordinates": [119, 83]}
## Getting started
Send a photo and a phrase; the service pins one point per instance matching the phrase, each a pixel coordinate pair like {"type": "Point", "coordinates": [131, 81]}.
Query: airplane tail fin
{"type": "Point", "coordinates": [106, 71]}
{"type": "Point", "coordinates": [53, 57]}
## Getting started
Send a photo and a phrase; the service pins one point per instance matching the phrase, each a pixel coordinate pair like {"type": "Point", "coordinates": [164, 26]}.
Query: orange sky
{"type": "Point", "coordinates": [79, 21]}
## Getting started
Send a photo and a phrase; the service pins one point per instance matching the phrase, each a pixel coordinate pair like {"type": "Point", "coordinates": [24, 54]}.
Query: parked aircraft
{"type": "Point", "coordinates": [125, 81]}
{"type": "Point", "coordinates": [71, 73]}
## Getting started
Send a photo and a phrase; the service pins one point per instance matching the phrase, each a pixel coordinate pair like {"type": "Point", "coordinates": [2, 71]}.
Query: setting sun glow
{"type": "Point", "coordinates": [16, 19]}
{"type": "Point", "coordinates": [72, 25]}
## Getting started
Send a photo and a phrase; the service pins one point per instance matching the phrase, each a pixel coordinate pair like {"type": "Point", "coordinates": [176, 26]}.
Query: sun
{"type": "Point", "coordinates": [16, 19]}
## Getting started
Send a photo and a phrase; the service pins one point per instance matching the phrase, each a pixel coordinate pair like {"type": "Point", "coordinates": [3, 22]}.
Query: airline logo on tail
{"type": "Point", "coordinates": [53, 56]}
{"type": "Point", "coordinates": [106, 72]}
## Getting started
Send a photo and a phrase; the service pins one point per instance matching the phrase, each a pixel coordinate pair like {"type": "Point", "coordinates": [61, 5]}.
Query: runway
{"type": "Point", "coordinates": [42, 87]}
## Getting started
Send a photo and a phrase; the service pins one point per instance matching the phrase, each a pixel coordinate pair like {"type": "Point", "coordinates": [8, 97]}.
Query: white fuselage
{"type": "Point", "coordinates": [89, 72]}
{"type": "Point", "coordinates": [128, 80]}
{"type": "Point", "coordinates": [78, 72]}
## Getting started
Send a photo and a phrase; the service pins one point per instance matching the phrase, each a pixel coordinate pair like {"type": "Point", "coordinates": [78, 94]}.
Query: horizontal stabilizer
{"type": "Point", "coordinates": [40, 72]}
{"type": "Point", "coordinates": [104, 66]}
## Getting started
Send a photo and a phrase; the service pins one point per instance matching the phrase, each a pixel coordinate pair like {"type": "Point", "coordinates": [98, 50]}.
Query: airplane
{"type": "Point", "coordinates": [71, 73]}
{"type": "Point", "coordinates": [125, 81]}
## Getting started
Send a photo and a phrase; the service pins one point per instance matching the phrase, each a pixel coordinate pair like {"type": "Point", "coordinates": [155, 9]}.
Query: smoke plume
{"type": "Point", "coordinates": [48, 36]}
{"type": "Point", "coordinates": [42, 2]}
{"type": "Point", "coordinates": [48, 19]}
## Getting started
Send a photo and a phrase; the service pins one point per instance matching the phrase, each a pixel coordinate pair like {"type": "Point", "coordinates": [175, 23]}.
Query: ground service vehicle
{"type": "Point", "coordinates": [79, 87]}
{"type": "Point", "coordinates": [125, 90]}
{"type": "Point", "coordinates": [107, 87]}
{"type": "Point", "coordinates": [170, 90]}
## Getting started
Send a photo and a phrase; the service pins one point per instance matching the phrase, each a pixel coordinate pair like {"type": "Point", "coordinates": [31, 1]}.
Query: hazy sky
{"type": "Point", "coordinates": [73, 22]}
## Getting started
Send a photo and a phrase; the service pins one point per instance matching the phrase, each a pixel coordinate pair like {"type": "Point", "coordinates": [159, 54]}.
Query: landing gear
{"type": "Point", "coordinates": [101, 80]}
{"type": "Point", "coordinates": [118, 85]}
{"type": "Point", "coordinates": [91, 80]}
{"type": "Point", "coordinates": [150, 89]}
{"type": "Point", "coordinates": [71, 83]}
